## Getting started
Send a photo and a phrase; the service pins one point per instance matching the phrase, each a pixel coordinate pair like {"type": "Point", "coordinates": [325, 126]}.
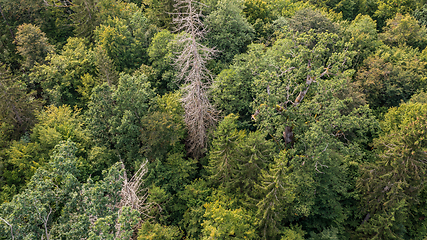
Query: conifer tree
{"type": "Point", "coordinates": [278, 192]}
{"type": "Point", "coordinates": [191, 64]}
{"type": "Point", "coordinates": [394, 182]}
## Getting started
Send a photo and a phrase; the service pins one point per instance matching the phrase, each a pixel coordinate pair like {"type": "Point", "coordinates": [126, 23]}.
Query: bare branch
{"type": "Point", "coordinates": [10, 225]}
{"type": "Point", "coordinates": [200, 115]}
{"type": "Point", "coordinates": [133, 195]}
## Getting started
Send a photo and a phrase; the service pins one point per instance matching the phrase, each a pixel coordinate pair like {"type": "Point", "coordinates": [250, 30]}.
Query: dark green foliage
{"type": "Point", "coordinates": [308, 19]}
{"type": "Point", "coordinates": [170, 176]}
{"type": "Point", "coordinates": [279, 194]}
{"type": "Point", "coordinates": [114, 116]}
{"type": "Point", "coordinates": [237, 158]}
{"type": "Point", "coordinates": [421, 15]}
{"type": "Point", "coordinates": [298, 152]}
{"type": "Point", "coordinates": [394, 182]}
{"type": "Point", "coordinates": [232, 89]}
{"type": "Point", "coordinates": [194, 195]}
{"type": "Point", "coordinates": [17, 106]}
{"type": "Point", "coordinates": [229, 32]}
{"type": "Point", "coordinates": [391, 75]}
{"type": "Point", "coordinates": [51, 20]}
{"type": "Point", "coordinates": [85, 17]}
{"type": "Point", "coordinates": [162, 53]}
{"type": "Point", "coordinates": [159, 12]}
{"type": "Point", "coordinates": [163, 128]}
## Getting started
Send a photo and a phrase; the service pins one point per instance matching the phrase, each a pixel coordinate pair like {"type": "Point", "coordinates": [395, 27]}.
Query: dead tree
{"type": "Point", "coordinates": [195, 78]}
{"type": "Point", "coordinates": [133, 195]}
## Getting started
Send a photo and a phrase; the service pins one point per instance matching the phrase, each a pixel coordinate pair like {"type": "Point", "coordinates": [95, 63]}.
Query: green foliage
{"type": "Point", "coordinates": [308, 19]}
{"type": "Point", "coordinates": [278, 192]}
{"type": "Point", "coordinates": [293, 233]}
{"type": "Point", "coordinates": [17, 107]}
{"type": "Point", "coordinates": [84, 17]}
{"type": "Point", "coordinates": [236, 159]}
{"type": "Point", "coordinates": [420, 97]}
{"type": "Point", "coordinates": [162, 53]}
{"type": "Point", "coordinates": [150, 231]}
{"type": "Point", "coordinates": [171, 175]}
{"type": "Point", "coordinates": [231, 90]}
{"type": "Point", "coordinates": [125, 39]}
{"type": "Point", "coordinates": [222, 157]}
{"type": "Point", "coordinates": [163, 128]}
{"type": "Point", "coordinates": [325, 123]}
{"type": "Point", "coordinates": [31, 211]}
{"type": "Point", "coordinates": [393, 183]}
{"type": "Point", "coordinates": [114, 116]}
{"type": "Point", "coordinates": [62, 77]}
{"type": "Point", "coordinates": [194, 195]}
{"type": "Point", "coordinates": [327, 234]}
{"type": "Point", "coordinates": [54, 125]}
{"type": "Point", "coordinates": [223, 223]}
{"type": "Point", "coordinates": [51, 20]}
{"type": "Point", "coordinates": [158, 12]}
{"type": "Point", "coordinates": [420, 15]}
{"type": "Point", "coordinates": [32, 44]}
{"type": "Point", "coordinates": [391, 75]}
{"type": "Point", "coordinates": [229, 32]}
{"type": "Point", "coordinates": [56, 205]}
{"type": "Point", "coordinates": [388, 8]}
{"type": "Point", "coordinates": [288, 8]}
{"type": "Point", "coordinates": [297, 154]}
{"type": "Point", "coordinates": [256, 9]}
{"type": "Point", "coordinates": [404, 29]}
{"type": "Point", "coordinates": [364, 37]}
{"type": "Point", "coordinates": [417, 223]}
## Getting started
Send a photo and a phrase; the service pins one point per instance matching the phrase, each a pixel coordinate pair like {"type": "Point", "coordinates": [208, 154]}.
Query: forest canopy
{"type": "Point", "coordinates": [213, 119]}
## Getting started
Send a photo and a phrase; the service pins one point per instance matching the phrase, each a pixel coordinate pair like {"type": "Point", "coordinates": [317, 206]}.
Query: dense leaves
{"type": "Point", "coordinates": [213, 119]}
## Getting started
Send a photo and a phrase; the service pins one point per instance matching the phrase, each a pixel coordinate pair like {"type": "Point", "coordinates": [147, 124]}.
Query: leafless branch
{"type": "Point", "coordinates": [133, 195]}
{"type": "Point", "coordinates": [11, 227]}
{"type": "Point", "coordinates": [63, 3]}
{"type": "Point", "coordinates": [321, 165]}
{"type": "Point", "coordinates": [45, 219]}
{"type": "Point", "coordinates": [200, 115]}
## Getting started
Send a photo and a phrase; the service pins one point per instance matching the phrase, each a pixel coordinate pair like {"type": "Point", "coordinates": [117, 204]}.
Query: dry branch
{"type": "Point", "coordinates": [200, 115]}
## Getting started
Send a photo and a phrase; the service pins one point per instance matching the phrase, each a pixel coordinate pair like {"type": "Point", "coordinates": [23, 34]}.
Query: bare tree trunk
{"type": "Point", "coordinates": [200, 115]}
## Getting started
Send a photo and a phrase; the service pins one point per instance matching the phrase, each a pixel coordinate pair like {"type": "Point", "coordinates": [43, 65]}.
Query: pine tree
{"type": "Point", "coordinates": [278, 192]}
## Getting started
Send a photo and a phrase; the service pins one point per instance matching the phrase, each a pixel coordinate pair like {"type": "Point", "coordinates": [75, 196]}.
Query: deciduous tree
{"type": "Point", "coordinates": [228, 31]}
